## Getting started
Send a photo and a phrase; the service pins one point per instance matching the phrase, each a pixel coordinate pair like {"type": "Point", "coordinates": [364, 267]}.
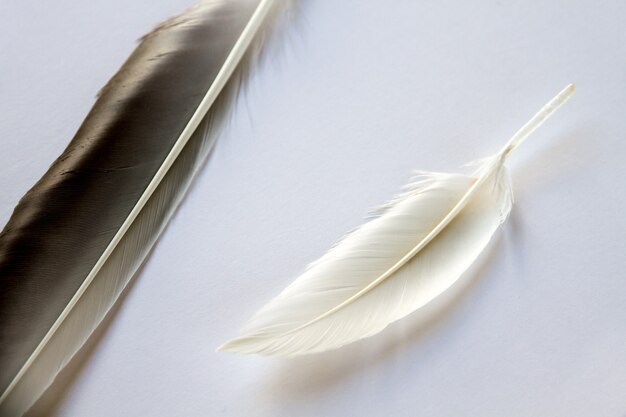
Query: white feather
{"type": "Point", "coordinates": [415, 249]}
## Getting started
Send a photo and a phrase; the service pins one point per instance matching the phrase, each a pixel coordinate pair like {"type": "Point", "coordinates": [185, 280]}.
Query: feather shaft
{"type": "Point", "coordinates": [538, 119]}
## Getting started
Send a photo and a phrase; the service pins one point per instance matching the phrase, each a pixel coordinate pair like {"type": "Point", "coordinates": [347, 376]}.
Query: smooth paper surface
{"type": "Point", "coordinates": [332, 124]}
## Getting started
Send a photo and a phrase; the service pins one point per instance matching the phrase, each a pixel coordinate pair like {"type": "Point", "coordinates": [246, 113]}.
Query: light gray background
{"type": "Point", "coordinates": [359, 94]}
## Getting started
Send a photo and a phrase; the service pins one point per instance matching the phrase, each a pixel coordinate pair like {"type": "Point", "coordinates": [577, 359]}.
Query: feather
{"type": "Point", "coordinates": [416, 247]}
{"type": "Point", "coordinates": [77, 237]}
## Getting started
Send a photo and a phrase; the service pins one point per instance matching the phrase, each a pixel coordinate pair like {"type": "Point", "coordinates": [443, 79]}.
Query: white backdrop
{"type": "Point", "coordinates": [361, 93]}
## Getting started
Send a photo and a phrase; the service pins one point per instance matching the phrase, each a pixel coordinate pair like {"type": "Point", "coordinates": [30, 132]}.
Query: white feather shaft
{"type": "Point", "coordinates": [538, 119]}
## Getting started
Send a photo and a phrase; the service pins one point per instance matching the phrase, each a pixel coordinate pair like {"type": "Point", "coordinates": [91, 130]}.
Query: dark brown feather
{"type": "Point", "coordinates": [62, 225]}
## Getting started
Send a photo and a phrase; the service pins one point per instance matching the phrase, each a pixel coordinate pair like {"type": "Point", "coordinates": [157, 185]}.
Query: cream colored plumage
{"type": "Point", "coordinates": [417, 247]}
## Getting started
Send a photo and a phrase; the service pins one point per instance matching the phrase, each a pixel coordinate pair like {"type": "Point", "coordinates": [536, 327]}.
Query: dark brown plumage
{"type": "Point", "coordinates": [62, 226]}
